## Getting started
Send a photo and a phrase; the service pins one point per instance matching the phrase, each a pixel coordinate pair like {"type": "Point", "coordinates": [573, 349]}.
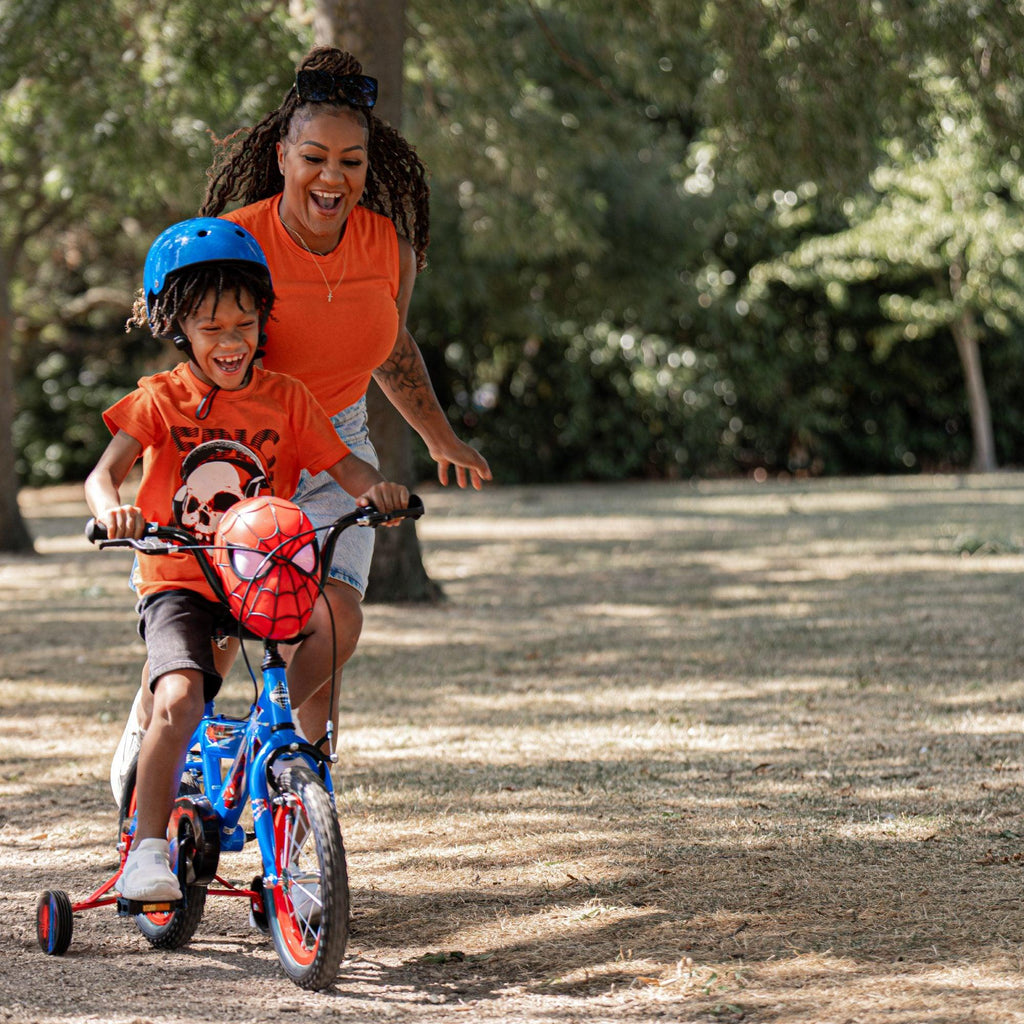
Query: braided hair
{"type": "Point", "coordinates": [184, 291]}
{"type": "Point", "coordinates": [245, 167]}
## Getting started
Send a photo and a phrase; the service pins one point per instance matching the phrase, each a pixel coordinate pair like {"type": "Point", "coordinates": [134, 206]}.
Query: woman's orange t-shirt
{"type": "Point", "coordinates": [332, 347]}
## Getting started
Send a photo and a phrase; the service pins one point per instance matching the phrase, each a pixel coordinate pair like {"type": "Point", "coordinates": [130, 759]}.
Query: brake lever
{"type": "Point", "coordinates": [149, 545]}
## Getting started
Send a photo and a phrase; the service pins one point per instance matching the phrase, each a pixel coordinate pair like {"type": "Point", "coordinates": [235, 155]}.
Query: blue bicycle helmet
{"type": "Point", "coordinates": [199, 240]}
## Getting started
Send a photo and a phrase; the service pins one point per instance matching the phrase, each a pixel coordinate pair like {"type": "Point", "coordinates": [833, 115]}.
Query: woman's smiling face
{"type": "Point", "coordinates": [224, 334]}
{"type": "Point", "coordinates": [324, 163]}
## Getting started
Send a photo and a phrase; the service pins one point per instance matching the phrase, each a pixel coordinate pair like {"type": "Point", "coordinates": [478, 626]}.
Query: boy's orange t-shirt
{"type": "Point", "coordinates": [332, 347]}
{"type": "Point", "coordinates": [255, 440]}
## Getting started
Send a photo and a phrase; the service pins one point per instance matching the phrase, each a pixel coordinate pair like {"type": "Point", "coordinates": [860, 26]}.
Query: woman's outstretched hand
{"type": "Point", "coordinates": [469, 465]}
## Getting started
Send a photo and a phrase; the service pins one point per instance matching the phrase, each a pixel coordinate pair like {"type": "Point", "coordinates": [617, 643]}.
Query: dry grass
{"type": "Point", "coordinates": [724, 752]}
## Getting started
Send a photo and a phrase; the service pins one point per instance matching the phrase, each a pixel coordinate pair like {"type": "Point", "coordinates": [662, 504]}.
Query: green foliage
{"type": "Point", "coordinates": [60, 430]}
{"type": "Point", "coordinates": [669, 238]}
{"type": "Point", "coordinates": [939, 239]}
{"type": "Point", "coordinates": [942, 234]}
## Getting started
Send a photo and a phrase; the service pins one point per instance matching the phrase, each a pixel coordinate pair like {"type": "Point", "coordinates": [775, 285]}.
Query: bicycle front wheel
{"type": "Point", "coordinates": [307, 910]}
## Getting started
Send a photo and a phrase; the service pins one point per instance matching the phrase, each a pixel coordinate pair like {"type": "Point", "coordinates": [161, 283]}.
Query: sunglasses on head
{"type": "Point", "coordinates": [323, 87]}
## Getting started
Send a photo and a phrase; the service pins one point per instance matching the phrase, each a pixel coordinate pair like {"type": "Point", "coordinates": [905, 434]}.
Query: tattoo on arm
{"type": "Point", "coordinates": [402, 371]}
{"type": "Point", "coordinates": [403, 376]}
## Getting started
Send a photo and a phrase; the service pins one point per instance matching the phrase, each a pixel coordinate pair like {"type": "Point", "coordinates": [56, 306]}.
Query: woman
{"type": "Point", "coordinates": [338, 201]}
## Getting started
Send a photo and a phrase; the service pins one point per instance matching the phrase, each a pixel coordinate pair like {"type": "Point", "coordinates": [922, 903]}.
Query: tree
{"type": "Point", "coordinates": [96, 157]}
{"type": "Point", "coordinates": [941, 237]}
{"type": "Point", "coordinates": [14, 534]}
{"type": "Point", "coordinates": [374, 31]}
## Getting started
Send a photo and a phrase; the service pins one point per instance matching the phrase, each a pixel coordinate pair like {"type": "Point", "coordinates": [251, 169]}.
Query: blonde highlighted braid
{"type": "Point", "coordinates": [245, 167]}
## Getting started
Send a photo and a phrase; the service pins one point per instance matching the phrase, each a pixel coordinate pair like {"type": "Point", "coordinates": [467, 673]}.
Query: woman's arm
{"type": "Point", "coordinates": [404, 379]}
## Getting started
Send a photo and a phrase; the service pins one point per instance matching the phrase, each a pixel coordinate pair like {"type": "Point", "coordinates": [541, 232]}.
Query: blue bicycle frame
{"type": "Point", "coordinates": [236, 755]}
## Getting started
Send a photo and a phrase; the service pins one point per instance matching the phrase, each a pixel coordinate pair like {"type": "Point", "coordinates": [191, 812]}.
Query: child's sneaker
{"type": "Point", "coordinates": [147, 875]}
{"type": "Point", "coordinates": [127, 750]}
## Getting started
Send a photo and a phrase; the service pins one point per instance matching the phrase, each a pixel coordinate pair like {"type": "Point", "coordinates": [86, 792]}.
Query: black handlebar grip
{"type": "Point", "coordinates": [95, 531]}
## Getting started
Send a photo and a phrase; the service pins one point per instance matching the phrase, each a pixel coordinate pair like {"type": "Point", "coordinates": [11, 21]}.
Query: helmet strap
{"type": "Point", "coordinates": [206, 403]}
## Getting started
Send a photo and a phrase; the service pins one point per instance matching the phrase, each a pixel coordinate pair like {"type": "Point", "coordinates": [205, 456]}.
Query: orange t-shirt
{"type": "Point", "coordinates": [332, 347]}
{"type": "Point", "coordinates": [255, 440]}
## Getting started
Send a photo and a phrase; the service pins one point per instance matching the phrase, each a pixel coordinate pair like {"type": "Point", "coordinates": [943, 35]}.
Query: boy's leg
{"type": "Point", "coordinates": [177, 626]}
{"type": "Point", "coordinates": [177, 708]}
{"type": "Point", "coordinates": [141, 714]}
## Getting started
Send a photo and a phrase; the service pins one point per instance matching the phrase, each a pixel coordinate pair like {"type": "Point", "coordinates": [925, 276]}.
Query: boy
{"type": "Point", "coordinates": [211, 431]}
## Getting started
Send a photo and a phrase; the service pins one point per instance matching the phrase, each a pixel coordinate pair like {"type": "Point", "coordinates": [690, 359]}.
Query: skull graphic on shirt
{"type": "Point", "coordinates": [215, 476]}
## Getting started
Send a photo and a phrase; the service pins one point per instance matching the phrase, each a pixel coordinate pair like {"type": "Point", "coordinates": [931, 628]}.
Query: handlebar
{"type": "Point", "coordinates": [369, 516]}
{"type": "Point", "coordinates": [162, 540]}
{"type": "Point", "coordinates": [96, 532]}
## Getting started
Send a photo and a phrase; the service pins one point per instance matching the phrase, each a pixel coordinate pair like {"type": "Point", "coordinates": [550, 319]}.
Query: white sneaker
{"type": "Point", "coordinates": [147, 875]}
{"type": "Point", "coordinates": [127, 750]}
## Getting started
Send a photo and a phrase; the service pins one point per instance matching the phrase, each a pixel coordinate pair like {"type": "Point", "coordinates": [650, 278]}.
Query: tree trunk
{"type": "Point", "coordinates": [374, 32]}
{"type": "Point", "coordinates": [965, 334]}
{"type": "Point", "coordinates": [14, 535]}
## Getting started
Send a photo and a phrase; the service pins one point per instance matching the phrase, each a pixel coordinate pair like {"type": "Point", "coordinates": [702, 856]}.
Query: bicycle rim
{"type": "Point", "coordinates": [308, 908]}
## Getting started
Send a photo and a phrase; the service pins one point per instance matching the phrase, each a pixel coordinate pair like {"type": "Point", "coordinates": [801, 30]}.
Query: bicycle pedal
{"type": "Point", "coordinates": [132, 908]}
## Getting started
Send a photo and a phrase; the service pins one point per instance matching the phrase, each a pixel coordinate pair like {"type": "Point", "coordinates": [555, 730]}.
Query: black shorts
{"type": "Point", "coordinates": [177, 626]}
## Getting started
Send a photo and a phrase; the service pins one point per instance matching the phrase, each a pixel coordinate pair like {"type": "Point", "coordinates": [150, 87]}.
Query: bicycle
{"type": "Point", "coordinates": [301, 898]}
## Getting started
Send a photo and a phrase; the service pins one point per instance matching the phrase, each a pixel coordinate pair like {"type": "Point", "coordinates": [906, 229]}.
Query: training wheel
{"type": "Point", "coordinates": [257, 906]}
{"type": "Point", "coordinates": [54, 922]}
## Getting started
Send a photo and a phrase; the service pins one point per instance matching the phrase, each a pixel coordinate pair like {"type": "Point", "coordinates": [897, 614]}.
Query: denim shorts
{"type": "Point", "coordinates": [177, 626]}
{"type": "Point", "coordinates": [324, 501]}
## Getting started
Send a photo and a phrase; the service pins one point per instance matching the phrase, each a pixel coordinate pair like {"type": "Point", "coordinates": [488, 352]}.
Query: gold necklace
{"type": "Point", "coordinates": [312, 256]}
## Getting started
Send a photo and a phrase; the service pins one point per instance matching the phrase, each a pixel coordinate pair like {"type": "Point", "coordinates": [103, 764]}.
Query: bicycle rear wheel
{"type": "Point", "coordinates": [307, 910]}
{"type": "Point", "coordinates": [165, 929]}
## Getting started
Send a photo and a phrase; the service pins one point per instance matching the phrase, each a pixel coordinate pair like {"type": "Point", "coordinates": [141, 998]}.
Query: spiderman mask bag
{"type": "Point", "coordinates": [267, 558]}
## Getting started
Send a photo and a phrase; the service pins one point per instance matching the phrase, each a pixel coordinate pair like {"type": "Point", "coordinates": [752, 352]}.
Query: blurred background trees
{"type": "Point", "coordinates": [670, 237]}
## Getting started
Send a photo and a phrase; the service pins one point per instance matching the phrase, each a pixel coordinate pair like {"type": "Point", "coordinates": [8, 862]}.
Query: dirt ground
{"type": "Point", "coordinates": [716, 752]}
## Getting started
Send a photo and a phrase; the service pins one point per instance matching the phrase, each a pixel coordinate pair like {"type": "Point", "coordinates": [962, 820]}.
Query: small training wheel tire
{"type": "Point", "coordinates": [54, 922]}
{"type": "Point", "coordinates": [258, 917]}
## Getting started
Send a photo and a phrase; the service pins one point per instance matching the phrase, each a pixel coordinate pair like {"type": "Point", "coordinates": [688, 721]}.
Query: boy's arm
{"type": "Point", "coordinates": [366, 484]}
{"type": "Point", "coordinates": [102, 488]}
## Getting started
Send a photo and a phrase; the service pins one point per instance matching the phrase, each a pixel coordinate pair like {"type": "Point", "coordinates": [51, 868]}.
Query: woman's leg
{"type": "Point", "coordinates": [311, 663]}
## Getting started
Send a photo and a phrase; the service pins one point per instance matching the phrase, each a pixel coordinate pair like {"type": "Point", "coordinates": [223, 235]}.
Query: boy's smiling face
{"type": "Point", "coordinates": [224, 334]}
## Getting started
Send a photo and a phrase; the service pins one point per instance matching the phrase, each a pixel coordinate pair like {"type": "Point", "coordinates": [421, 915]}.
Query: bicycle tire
{"type": "Point", "coordinates": [164, 929]}
{"type": "Point", "coordinates": [54, 922]}
{"type": "Point", "coordinates": [309, 860]}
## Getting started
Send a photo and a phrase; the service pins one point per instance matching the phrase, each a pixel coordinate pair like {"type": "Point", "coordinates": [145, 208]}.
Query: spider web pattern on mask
{"type": "Point", "coordinates": [267, 559]}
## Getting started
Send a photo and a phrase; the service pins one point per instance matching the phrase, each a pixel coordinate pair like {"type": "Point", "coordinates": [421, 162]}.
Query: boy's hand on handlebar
{"type": "Point", "coordinates": [386, 497]}
{"type": "Point", "coordinates": [123, 521]}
